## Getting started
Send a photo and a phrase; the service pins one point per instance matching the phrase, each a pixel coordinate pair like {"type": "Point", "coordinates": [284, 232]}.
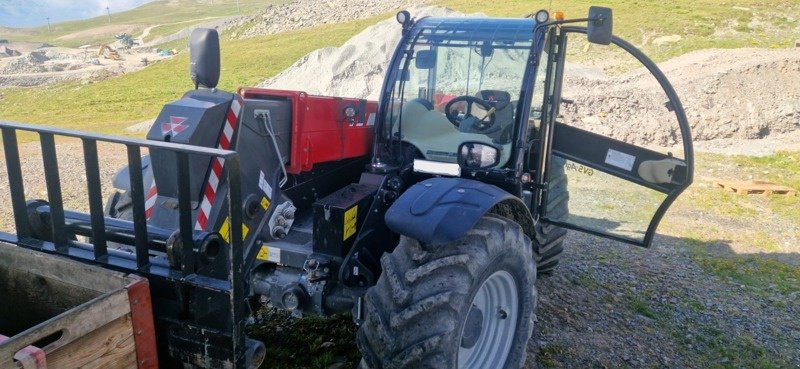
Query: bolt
{"type": "Point", "coordinates": [282, 221]}
{"type": "Point", "coordinates": [288, 212]}
{"type": "Point", "coordinates": [278, 232]}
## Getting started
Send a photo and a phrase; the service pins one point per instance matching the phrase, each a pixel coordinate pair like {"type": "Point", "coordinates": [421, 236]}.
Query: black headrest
{"type": "Point", "coordinates": [204, 57]}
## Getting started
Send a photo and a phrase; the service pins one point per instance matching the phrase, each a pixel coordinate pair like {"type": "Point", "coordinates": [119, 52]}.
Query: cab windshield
{"type": "Point", "coordinates": [456, 85]}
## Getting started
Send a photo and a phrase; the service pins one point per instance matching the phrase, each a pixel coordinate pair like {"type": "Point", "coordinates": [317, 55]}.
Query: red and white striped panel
{"type": "Point", "coordinates": [225, 139]}
{"type": "Point", "coordinates": [150, 200]}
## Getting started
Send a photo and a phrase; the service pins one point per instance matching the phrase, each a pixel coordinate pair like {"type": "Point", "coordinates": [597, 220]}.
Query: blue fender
{"type": "Point", "coordinates": [441, 210]}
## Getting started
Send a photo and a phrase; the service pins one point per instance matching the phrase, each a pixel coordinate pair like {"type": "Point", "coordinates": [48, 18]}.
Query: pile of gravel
{"type": "Point", "coordinates": [738, 94]}
{"type": "Point", "coordinates": [6, 51]}
{"type": "Point", "coordinates": [33, 62]}
{"type": "Point", "coordinates": [309, 13]}
{"type": "Point", "coordinates": [357, 68]}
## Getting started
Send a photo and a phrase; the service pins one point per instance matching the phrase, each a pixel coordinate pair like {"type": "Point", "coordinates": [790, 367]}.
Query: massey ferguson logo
{"type": "Point", "coordinates": [174, 126]}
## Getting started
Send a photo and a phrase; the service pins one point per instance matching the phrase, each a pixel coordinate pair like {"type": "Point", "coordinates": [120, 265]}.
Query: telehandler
{"type": "Point", "coordinates": [427, 215]}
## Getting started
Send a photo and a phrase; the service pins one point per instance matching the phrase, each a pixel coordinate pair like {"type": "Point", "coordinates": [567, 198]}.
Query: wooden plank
{"type": "Point", "coordinates": [110, 346]}
{"type": "Point", "coordinates": [143, 323]}
{"type": "Point", "coordinates": [61, 268]}
{"type": "Point", "coordinates": [30, 357]}
{"type": "Point", "coordinates": [762, 187]}
{"type": "Point", "coordinates": [72, 324]}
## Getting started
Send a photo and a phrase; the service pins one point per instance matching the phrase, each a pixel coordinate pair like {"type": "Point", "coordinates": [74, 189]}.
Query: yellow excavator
{"type": "Point", "coordinates": [108, 52]}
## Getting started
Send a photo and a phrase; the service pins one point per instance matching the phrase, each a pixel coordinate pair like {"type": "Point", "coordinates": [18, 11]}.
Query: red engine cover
{"type": "Point", "coordinates": [320, 130]}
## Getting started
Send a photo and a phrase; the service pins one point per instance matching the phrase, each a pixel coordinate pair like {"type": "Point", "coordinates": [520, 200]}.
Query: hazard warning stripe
{"type": "Point", "coordinates": [214, 176]}
{"type": "Point", "coordinates": [150, 200]}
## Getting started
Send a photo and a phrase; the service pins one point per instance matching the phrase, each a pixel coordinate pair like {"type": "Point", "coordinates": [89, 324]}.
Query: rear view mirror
{"type": "Point", "coordinates": [204, 57]}
{"type": "Point", "coordinates": [599, 27]}
{"type": "Point", "coordinates": [477, 155]}
{"type": "Point", "coordinates": [426, 59]}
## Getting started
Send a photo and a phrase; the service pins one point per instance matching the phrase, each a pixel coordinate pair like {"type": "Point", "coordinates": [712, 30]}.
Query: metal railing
{"type": "Point", "coordinates": [181, 273]}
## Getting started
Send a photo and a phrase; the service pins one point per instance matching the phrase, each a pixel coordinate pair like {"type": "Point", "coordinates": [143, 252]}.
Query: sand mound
{"type": "Point", "coordinates": [739, 93]}
{"type": "Point", "coordinates": [299, 14]}
{"type": "Point", "coordinates": [356, 69]}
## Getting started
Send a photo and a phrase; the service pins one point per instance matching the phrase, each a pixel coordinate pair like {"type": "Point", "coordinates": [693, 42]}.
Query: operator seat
{"type": "Point", "coordinates": [420, 120]}
{"type": "Point", "coordinates": [503, 116]}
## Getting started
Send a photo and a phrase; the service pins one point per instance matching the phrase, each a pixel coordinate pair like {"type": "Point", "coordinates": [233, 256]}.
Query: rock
{"type": "Point", "coordinates": [5, 51]}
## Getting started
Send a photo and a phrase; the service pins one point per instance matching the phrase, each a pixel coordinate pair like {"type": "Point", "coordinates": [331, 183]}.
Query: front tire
{"type": "Point", "coordinates": [468, 304]}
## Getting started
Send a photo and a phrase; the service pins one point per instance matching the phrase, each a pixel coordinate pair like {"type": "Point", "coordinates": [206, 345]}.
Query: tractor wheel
{"type": "Point", "coordinates": [469, 304]}
{"type": "Point", "coordinates": [120, 206]}
{"type": "Point", "coordinates": [549, 243]}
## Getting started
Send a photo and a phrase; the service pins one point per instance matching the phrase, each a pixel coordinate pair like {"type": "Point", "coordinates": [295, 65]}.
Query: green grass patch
{"type": "Point", "coordinates": [640, 307]}
{"type": "Point", "coordinates": [700, 23]}
{"type": "Point", "coordinates": [112, 104]}
{"type": "Point", "coordinates": [752, 271]}
{"type": "Point", "coordinates": [546, 357]}
{"type": "Point", "coordinates": [723, 351]}
{"type": "Point", "coordinates": [308, 343]}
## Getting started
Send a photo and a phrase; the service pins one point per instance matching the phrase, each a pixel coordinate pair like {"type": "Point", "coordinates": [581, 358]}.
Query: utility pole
{"type": "Point", "coordinates": [237, 7]}
{"type": "Point", "coordinates": [48, 25]}
{"type": "Point", "coordinates": [109, 15]}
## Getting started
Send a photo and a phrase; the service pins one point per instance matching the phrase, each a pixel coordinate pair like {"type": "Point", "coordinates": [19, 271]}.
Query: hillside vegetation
{"type": "Point", "coordinates": [701, 24]}
{"type": "Point", "coordinates": [109, 106]}
{"type": "Point", "coordinates": [166, 15]}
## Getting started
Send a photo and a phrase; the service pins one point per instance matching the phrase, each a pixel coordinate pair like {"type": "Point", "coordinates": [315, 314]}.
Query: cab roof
{"type": "Point", "coordinates": [457, 31]}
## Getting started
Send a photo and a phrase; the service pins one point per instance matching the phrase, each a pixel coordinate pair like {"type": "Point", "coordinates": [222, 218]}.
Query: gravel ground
{"type": "Point", "coordinates": [613, 305]}
{"type": "Point", "coordinates": [608, 305]}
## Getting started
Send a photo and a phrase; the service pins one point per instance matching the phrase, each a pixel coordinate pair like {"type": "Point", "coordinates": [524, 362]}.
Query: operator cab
{"type": "Point", "coordinates": [458, 83]}
{"type": "Point", "coordinates": [479, 99]}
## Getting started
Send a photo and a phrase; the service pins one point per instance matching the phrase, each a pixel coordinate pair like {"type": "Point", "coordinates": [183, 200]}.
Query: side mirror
{"type": "Point", "coordinates": [204, 57]}
{"type": "Point", "coordinates": [600, 25]}
{"type": "Point", "coordinates": [426, 59]}
{"type": "Point", "coordinates": [477, 155]}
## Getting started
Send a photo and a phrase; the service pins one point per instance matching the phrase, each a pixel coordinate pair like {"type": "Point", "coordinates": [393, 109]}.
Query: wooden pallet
{"type": "Point", "coordinates": [759, 187]}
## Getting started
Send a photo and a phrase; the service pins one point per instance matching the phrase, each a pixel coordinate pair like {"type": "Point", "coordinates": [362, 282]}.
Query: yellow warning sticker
{"type": "Point", "coordinates": [267, 253]}
{"type": "Point", "coordinates": [265, 203]}
{"type": "Point", "coordinates": [225, 230]}
{"type": "Point", "coordinates": [350, 222]}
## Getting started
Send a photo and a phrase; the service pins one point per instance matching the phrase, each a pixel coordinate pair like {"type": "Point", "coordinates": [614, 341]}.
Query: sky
{"type": "Point", "coordinates": [31, 13]}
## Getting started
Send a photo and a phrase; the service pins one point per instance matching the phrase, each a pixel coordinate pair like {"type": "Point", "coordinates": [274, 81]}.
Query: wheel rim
{"type": "Point", "coordinates": [495, 308]}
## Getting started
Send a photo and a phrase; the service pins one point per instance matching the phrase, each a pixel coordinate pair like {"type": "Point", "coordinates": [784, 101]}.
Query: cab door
{"type": "Point", "coordinates": [615, 132]}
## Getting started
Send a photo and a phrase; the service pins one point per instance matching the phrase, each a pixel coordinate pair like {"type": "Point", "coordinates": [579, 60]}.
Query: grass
{"type": "Point", "coordinates": [701, 24]}
{"type": "Point", "coordinates": [752, 271]}
{"type": "Point", "coordinates": [308, 343]}
{"type": "Point", "coordinates": [719, 351]}
{"type": "Point", "coordinates": [161, 12]}
{"type": "Point", "coordinates": [640, 307]}
{"type": "Point", "coordinates": [110, 105]}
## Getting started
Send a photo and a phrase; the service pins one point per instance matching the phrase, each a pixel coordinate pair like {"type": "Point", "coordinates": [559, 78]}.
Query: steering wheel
{"type": "Point", "coordinates": [465, 121]}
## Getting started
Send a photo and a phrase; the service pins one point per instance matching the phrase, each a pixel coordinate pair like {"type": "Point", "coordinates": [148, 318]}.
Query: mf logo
{"type": "Point", "coordinates": [174, 126]}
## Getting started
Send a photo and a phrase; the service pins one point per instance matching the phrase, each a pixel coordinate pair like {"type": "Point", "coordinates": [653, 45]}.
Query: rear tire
{"type": "Point", "coordinates": [549, 242]}
{"type": "Point", "coordinates": [467, 304]}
